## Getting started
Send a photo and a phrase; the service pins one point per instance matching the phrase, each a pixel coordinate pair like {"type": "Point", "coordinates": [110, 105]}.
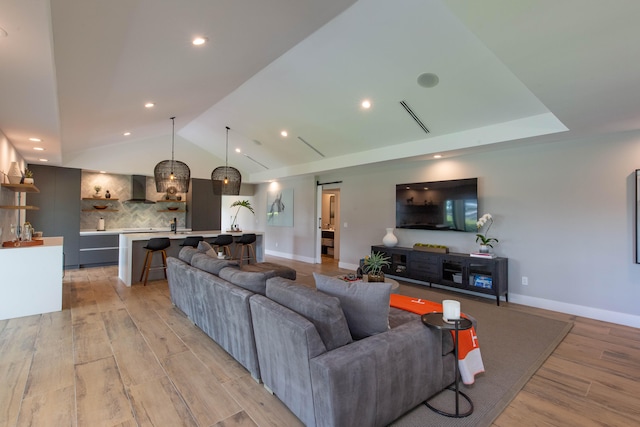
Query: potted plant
{"type": "Point", "coordinates": [373, 265]}
{"type": "Point", "coordinates": [97, 188]}
{"type": "Point", "coordinates": [240, 204]}
{"type": "Point", "coordinates": [28, 176]}
{"type": "Point", "coordinates": [485, 241]}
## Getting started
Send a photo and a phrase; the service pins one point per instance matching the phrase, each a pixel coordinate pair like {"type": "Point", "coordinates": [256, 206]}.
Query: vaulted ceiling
{"type": "Point", "coordinates": [77, 75]}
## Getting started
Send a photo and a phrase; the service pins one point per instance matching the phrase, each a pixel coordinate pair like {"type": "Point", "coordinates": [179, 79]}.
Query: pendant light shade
{"type": "Point", "coordinates": [172, 176]}
{"type": "Point", "coordinates": [226, 180]}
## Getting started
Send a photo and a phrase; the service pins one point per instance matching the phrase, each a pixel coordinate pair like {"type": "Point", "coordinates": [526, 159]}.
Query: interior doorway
{"type": "Point", "coordinates": [330, 226]}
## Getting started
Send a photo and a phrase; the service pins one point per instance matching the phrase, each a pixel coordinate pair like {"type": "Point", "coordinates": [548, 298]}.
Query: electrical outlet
{"type": "Point", "coordinates": [525, 281]}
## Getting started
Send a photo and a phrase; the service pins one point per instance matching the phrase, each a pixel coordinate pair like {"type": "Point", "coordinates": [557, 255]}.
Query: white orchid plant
{"type": "Point", "coordinates": [484, 239]}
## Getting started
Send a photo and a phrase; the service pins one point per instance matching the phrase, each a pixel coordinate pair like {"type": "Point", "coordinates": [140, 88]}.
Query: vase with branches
{"type": "Point", "coordinates": [240, 204]}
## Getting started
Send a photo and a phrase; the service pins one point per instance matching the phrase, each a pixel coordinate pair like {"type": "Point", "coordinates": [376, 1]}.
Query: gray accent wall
{"type": "Point", "coordinates": [564, 215]}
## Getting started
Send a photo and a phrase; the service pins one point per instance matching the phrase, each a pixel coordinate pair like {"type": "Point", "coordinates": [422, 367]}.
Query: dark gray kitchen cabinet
{"type": "Point", "coordinates": [59, 207]}
{"type": "Point", "coordinates": [99, 250]}
{"type": "Point", "coordinates": [203, 206]}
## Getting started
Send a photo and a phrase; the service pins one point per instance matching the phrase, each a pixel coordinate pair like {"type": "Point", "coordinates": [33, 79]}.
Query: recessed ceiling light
{"type": "Point", "coordinates": [35, 140]}
{"type": "Point", "coordinates": [43, 160]}
{"type": "Point", "coordinates": [437, 156]}
{"type": "Point", "coordinates": [127, 133]}
{"type": "Point", "coordinates": [103, 171]}
{"type": "Point", "coordinates": [366, 104]}
{"type": "Point", "coordinates": [149, 105]}
{"type": "Point", "coordinates": [284, 133]}
{"type": "Point", "coordinates": [237, 150]}
{"type": "Point", "coordinates": [199, 41]}
{"type": "Point", "coordinates": [38, 148]}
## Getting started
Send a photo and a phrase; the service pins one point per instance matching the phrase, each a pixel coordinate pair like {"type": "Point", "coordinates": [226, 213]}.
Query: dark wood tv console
{"type": "Point", "coordinates": [454, 270]}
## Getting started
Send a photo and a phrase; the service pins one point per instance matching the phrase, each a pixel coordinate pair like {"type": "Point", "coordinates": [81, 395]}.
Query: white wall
{"type": "Point", "coordinates": [297, 242]}
{"type": "Point", "coordinates": [8, 154]}
{"type": "Point", "coordinates": [564, 214]}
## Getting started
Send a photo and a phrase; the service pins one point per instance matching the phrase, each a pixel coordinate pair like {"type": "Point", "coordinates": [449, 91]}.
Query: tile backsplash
{"type": "Point", "coordinates": [120, 214]}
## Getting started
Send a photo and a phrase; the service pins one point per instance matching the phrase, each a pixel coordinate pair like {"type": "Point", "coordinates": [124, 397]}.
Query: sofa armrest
{"type": "Point", "coordinates": [377, 379]}
{"type": "Point", "coordinates": [286, 342]}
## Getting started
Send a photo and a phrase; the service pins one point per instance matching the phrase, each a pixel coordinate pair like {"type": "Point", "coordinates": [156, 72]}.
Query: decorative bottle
{"type": "Point", "coordinates": [389, 239]}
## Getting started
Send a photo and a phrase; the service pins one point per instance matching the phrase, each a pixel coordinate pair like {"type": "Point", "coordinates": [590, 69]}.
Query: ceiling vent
{"type": "Point", "coordinates": [310, 146]}
{"type": "Point", "coordinates": [414, 116]}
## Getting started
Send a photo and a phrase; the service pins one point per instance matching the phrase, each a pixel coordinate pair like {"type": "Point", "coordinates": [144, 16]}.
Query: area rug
{"type": "Point", "coordinates": [513, 345]}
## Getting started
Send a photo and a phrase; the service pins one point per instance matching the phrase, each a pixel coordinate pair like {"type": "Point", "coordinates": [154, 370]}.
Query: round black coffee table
{"type": "Point", "coordinates": [435, 320]}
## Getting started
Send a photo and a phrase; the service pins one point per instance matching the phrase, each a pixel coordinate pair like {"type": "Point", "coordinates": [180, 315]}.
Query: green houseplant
{"type": "Point", "coordinates": [28, 176]}
{"type": "Point", "coordinates": [240, 204]}
{"type": "Point", "coordinates": [373, 265]}
{"type": "Point", "coordinates": [484, 239]}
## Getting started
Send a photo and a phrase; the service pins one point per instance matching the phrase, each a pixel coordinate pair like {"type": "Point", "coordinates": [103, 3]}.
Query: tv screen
{"type": "Point", "coordinates": [439, 205]}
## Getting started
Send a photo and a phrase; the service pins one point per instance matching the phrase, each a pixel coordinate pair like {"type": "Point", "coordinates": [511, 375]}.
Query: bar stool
{"type": "Point", "coordinates": [192, 241]}
{"type": "Point", "coordinates": [158, 244]}
{"type": "Point", "coordinates": [223, 241]}
{"type": "Point", "coordinates": [246, 241]}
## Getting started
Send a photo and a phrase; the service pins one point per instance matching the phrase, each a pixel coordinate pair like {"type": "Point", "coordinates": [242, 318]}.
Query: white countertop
{"type": "Point", "coordinates": [92, 232]}
{"type": "Point", "coordinates": [183, 234]}
{"type": "Point", "coordinates": [47, 241]}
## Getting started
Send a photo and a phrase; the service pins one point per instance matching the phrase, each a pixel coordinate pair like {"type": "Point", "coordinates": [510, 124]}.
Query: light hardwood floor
{"type": "Point", "coordinates": [118, 356]}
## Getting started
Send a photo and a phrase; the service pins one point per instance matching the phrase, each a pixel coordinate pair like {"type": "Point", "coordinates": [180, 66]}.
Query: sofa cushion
{"type": "Point", "coordinates": [365, 305]}
{"type": "Point", "coordinates": [210, 264]}
{"type": "Point", "coordinates": [252, 281]}
{"type": "Point", "coordinates": [186, 253]}
{"type": "Point", "coordinates": [280, 270]}
{"type": "Point", "coordinates": [322, 310]}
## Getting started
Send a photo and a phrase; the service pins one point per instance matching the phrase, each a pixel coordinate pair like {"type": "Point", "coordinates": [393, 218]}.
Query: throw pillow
{"type": "Point", "coordinates": [204, 247]}
{"type": "Point", "coordinates": [320, 309]}
{"type": "Point", "coordinates": [365, 305]}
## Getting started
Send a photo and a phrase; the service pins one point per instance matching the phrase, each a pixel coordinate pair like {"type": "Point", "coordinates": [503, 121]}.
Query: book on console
{"type": "Point", "coordinates": [482, 255]}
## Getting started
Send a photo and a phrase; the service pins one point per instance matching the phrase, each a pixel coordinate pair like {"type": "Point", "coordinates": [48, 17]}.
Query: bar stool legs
{"type": "Point", "coordinates": [246, 240]}
{"type": "Point", "coordinates": [155, 245]}
{"type": "Point", "coordinates": [251, 253]}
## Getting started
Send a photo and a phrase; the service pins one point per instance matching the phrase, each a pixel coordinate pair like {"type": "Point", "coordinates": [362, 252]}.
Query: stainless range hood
{"type": "Point", "coordinates": [139, 190]}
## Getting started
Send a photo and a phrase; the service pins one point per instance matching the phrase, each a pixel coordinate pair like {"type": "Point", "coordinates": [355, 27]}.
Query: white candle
{"type": "Point", "coordinates": [450, 309]}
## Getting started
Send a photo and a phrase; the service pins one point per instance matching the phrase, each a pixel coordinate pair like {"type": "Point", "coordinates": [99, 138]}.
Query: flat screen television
{"type": "Point", "coordinates": [440, 205]}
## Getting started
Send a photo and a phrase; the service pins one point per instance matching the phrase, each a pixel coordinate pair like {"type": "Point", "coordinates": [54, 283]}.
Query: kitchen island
{"type": "Point", "coordinates": [31, 279]}
{"type": "Point", "coordinates": [132, 252]}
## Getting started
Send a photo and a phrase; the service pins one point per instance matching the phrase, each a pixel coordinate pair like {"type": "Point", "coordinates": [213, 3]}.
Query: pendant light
{"type": "Point", "coordinates": [226, 180]}
{"type": "Point", "coordinates": [172, 176]}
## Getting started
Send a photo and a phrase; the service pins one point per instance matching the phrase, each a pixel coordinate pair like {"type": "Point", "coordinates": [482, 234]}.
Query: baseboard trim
{"type": "Point", "coordinates": [290, 256]}
{"type": "Point", "coordinates": [578, 310]}
{"type": "Point", "coordinates": [563, 307]}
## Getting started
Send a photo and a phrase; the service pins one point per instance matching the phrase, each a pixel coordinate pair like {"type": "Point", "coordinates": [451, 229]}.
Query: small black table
{"type": "Point", "coordinates": [435, 320]}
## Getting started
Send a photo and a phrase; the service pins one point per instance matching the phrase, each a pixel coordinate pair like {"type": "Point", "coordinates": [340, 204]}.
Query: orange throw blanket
{"type": "Point", "coordinates": [469, 358]}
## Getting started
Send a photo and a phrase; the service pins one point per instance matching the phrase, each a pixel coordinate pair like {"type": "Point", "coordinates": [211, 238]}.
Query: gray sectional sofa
{"type": "Point", "coordinates": [215, 294]}
{"type": "Point", "coordinates": [331, 360]}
